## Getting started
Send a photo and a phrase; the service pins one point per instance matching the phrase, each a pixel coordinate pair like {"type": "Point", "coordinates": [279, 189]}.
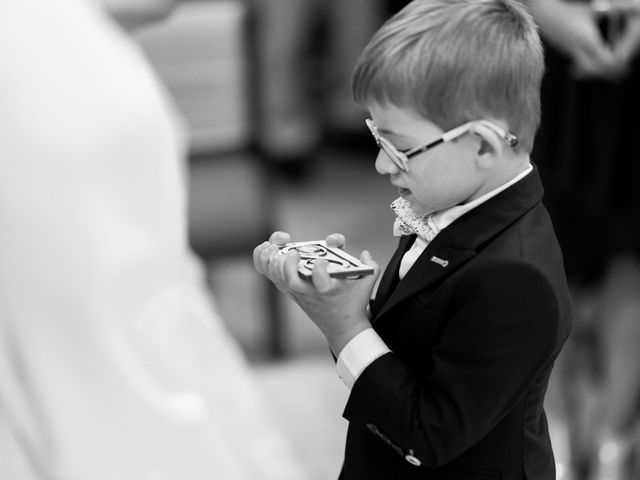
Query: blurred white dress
{"type": "Point", "coordinates": [113, 362]}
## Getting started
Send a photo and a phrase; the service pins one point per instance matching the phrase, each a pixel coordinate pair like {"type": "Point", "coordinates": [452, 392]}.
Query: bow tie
{"type": "Point", "coordinates": [409, 222]}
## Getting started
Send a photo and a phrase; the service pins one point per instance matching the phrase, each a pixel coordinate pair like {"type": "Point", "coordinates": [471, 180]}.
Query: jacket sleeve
{"type": "Point", "coordinates": [501, 329]}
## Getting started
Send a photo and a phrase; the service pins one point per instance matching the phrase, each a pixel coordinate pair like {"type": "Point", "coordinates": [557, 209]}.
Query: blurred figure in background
{"type": "Point", "coordinates": [588, 157]}
{"type": "Point", "coordinates": [113, 361]}
{"type": "Point", "coordinates": [307, 50]}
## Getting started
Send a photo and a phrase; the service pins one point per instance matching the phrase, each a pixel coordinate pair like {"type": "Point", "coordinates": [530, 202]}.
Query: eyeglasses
{"type": "Point", "coordinates": [400, 158]}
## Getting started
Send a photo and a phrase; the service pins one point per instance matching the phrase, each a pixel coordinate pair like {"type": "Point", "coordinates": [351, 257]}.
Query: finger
{"type": "Point", "coordinates": [627, 48]}
{"type": "Point", "coordinates": [592, 48]}
{"type": "Point", "coordinates": [594, 54]}
{"type": "Point", "coordinates": [320, 276]}
{"type": "Point", "coordinates": [627, 7]}
{"type": "Point", "coordinates": [367, 259]}
{"type": "Point", "coordinates": [280, 238]}
{"type": "Point", "coordinates": [609, 72]}
{"type": "Point", "coordinates": [597, 62]}
{"type": "Point", "coordinates": [290, 270]}
{"type": "Point", "coordinates": [257, 256]}
{"type": "Point", "coordinates": [267, 257]}
{"type": "Point", "coordinates": [336, 240]}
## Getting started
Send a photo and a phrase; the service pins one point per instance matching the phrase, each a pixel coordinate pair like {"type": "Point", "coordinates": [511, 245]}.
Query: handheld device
{"type": "Point", "coordinates": [340, 263]}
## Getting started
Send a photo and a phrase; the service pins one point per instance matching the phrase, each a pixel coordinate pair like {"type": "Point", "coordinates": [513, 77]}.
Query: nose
{"type": "Point", "coordinates": [384, 165]}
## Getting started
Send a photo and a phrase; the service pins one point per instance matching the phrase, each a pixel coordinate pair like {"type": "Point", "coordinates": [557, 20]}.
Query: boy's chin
{"type": "Point", "coordinates": [420, 209]}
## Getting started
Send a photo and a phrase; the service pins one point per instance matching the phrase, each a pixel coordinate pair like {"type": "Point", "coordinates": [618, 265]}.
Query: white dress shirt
{"type": "Point", "coordinates": [367, 346]}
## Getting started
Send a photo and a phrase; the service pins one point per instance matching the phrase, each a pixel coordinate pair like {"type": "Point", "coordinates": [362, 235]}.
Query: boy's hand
{"type": "Point", "coordinates": [336, 306]}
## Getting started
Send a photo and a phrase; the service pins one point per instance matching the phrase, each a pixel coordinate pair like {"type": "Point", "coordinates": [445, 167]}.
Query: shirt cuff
{"type": "Point", "coordinates": [358, 354]}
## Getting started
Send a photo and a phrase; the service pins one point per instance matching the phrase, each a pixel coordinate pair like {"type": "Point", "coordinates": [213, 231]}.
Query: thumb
{"type": "Point", "coordinates": [367, 259]}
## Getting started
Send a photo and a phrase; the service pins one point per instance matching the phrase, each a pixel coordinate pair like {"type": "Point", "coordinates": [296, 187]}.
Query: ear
{"type": "Point", "coordinates": [491, 145]}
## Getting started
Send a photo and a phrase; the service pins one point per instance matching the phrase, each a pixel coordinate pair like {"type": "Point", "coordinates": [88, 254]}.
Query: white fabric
{"type": "Point", "coordinates": [411, 255]}
{"type": "Point", "coordinates": [363, 350]}
{"type": "Point", "coordinates": [409, 222]}
{"type": "Point", "coordinates": [113, 362]}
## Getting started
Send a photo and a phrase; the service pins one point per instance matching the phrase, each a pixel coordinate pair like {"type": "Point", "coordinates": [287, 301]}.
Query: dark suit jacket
{"type": "Point", "coordinates": [474, 327]}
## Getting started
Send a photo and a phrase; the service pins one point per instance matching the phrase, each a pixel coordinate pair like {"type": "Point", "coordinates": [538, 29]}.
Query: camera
{"type": "Point", "coordinates": [340, 263]}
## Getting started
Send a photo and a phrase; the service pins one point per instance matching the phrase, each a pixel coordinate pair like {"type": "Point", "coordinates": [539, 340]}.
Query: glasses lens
{"type": "Point", "coordinates": [394, 155]}
{"type": "Point", "coordinates": [390, 151]}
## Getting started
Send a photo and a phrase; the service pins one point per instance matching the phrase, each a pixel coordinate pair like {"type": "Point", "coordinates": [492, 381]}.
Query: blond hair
{"type": "Point", "coordinates": [454, 61]}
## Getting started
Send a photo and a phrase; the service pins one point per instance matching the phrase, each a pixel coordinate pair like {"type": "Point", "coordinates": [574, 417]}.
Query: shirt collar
{"type": "Point", "coordinates": [442, 219]}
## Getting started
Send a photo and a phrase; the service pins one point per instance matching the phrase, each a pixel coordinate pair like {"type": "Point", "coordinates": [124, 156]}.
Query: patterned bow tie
{"type": "Point", "coordinates": [409, 222]}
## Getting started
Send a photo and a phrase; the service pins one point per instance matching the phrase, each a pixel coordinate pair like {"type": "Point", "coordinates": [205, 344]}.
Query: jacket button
{"type": "Point", "coordinates": [413, 460]}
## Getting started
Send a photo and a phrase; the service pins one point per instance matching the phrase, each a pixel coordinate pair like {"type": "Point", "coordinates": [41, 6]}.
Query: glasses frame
{"type": "Point", "coordinates": [401, 158]}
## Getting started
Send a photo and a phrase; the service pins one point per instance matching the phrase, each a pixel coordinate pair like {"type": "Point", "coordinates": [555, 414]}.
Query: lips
{"type": "Point", "coordinates": [404, 191]}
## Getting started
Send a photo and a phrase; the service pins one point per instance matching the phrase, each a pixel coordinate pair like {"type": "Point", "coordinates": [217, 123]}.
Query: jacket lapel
{"type": "Point", "coordinates": [456, 244]}
{"type": "Point", "coordinates": [390, 278]}
{"type": "Point", "coordinates": [430, 267]}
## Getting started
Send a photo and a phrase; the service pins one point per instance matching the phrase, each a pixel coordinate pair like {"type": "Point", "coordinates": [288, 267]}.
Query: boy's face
{"type": "Point", "coordinates": [441, 177]}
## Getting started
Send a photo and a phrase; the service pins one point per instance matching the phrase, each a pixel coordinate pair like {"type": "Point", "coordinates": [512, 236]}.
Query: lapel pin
{"type": "Point", "coordinates": [439, 261]}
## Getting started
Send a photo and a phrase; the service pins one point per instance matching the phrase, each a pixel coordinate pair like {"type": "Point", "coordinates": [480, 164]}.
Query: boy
{"type": "Point", "coordinates": [448, 369]}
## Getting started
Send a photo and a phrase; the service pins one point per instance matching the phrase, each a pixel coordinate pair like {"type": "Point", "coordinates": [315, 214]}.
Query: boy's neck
{"type": "Point", "coordinates": [510, 168]}
{"type": "Point", "coordinates": [505, 171]}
